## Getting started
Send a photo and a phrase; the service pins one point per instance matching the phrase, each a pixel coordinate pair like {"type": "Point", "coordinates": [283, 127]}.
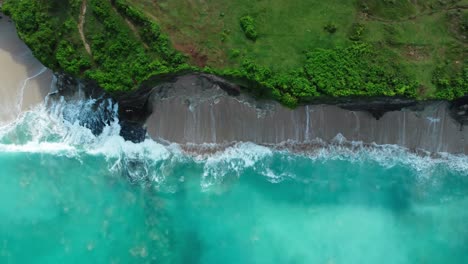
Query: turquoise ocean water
{"type": "Point", "coordinates": [67, 196]}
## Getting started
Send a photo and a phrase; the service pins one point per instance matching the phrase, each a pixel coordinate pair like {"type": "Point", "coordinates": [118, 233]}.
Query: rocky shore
{"type": "Point", "coordinates": [200, 109]}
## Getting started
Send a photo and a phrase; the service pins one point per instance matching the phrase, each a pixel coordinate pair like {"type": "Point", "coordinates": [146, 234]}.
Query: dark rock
{"type": "Point", "coordinates": [132, 131]}
{"type": "Point", "coordinates": [231, 88]}
{"type": "Point", "coordinates": [459, 110]}
{"type": "Point", "coordinates": [66, 84]}
{"type": "Point", "coordinates": [70, 86]}
{"type": "Point", "coordinates": [376, 106]}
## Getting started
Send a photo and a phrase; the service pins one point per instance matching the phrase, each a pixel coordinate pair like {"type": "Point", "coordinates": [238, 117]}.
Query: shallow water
{"type": "Point", "coordinates": [67, 196]}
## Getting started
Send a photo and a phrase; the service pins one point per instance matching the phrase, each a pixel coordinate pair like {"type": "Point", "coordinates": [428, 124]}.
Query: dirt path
{"type": "Point", "coordinates": [80, 26]}
{"type": "Point", "coordinates": [413, 17]}
{"type": "Point", "coordinates": [132, 27]}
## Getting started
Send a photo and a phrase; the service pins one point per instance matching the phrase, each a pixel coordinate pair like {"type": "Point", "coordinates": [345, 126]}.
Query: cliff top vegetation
{"type": "Point", "coordinates": [293, 50]}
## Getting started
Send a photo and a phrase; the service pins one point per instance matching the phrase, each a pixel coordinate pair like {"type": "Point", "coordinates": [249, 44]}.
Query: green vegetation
{"type": "Point", "coordinates": [48, 33]}
{"type": "Point", "coordinates": [357, 32]}
{"type": "Point", "coordinates": [356, 70]}
{"type": "Point", "coordinates": [247, 24]}
{"type": "Point", "coordinates": [330, 28]}
{"type": "Point", "coordinates": [293, 50]}
{"type": "Point", "coordinates": [121, 57]}
{"type": "Point", "coordinates": [126, 56]}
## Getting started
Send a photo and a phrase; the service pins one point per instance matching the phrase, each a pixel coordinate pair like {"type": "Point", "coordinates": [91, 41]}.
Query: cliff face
{"type": "Point", "coordinates": [200, 108]}
{"type": "Point", "coordinates": [194, 109]}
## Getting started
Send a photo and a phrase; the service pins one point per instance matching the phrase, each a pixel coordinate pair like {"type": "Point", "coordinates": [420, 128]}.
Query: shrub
{"type": "Point", "coordinates": [247, 24]}
{"type": "Point", "coordinates": [357, 30]}
{"type": "Point", "coordinates": [130, 12]}
{"type": "Point", "coordinates": [70, 60]}
{"type": "Point", "coordinates": [234, 53]}
{"type": "Point", "coordinates": [330, 28]}
{"type": "Point", "coordinates": [356, 70]}
{"type": "Point", "coordinates": [450, 83]}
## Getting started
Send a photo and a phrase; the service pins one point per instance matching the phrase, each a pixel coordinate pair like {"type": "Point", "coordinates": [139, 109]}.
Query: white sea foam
{"type": "Point", "coordinates": [231, 161]}
{"type": "Point", "coordinates": [43, 147]}
{"type": "Point", "coordinates": [385, 155]}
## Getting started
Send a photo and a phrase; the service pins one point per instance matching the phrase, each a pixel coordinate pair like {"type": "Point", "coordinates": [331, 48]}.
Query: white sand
{"type": "Point", "coordinates": [24, 81]}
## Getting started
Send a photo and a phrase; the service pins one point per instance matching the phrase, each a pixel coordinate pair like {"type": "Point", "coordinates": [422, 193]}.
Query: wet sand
{"type": "Point", "coordinates": [194, 111]}
{"type": "Point", "coordinates": [24, 81]}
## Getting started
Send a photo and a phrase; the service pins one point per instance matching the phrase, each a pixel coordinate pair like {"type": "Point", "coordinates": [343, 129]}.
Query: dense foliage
{"type": "Point", "coordinates": [119, 61]}
{"type": "Point", "coordinates": [354, 71]}
{"type": "Point", "coordinates": [44, 32]}
{"type": "Point", "coordinates": [450, 84]}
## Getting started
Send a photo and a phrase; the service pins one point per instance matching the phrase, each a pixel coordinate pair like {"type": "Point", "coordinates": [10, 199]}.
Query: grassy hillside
{"type": "Point", "coordinates": [297, 49]}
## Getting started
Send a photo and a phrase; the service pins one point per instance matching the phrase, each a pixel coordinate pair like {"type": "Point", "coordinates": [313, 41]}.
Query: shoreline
{"type": "Point", "coordinates": [24, 80]}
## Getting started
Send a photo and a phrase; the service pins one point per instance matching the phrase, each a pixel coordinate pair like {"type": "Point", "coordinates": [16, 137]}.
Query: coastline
{"type": "Point", "coordinates": [198, 108]}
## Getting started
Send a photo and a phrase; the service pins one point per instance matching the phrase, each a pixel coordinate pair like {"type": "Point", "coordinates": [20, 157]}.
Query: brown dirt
{"type": "Point", "coordinates": [423, 90]}
{"type": "Point", "coordinates": [416, 53]}
{"type": "Point", "coordinates": [455, 21]}
{"type": "Point", "coordinates": [81, 25]}
{"type": "Point", "coordinates": [196, 57]}
{"type": "Point", "coordinates": [420, 14]}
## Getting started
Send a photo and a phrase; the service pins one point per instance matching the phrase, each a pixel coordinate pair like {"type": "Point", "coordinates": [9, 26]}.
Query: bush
{"type": "Point", "coordinates": [36, 28]}
{"type": "Point", "coordinates": [247, 24]}
{"type": "Point", "coordinates": [330, 28]}
{"type": "Point", "coordinates": [235, 53]}
{"type": "Point", "coordinates": [450, 83]}
{"type": "Point", "coordinates": [357, 30]}
{"type": "Point", "coordinates": [356, 70]}
{"type": "Point", "coordinates": [70, 60]}
{"type": "Point", "coordinates": [130, 12]}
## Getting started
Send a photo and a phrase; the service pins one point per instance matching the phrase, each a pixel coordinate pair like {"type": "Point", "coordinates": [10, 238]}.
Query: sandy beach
{"type": "Point", "coordinates": [24, 81]}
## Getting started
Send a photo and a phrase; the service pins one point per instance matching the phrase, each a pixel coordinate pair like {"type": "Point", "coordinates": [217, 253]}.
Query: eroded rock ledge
{"type": "Point", "coordinates": [199, 108]}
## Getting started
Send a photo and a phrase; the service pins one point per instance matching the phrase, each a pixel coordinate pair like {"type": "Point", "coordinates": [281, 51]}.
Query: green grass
{"type": "Point", "coordinates": [286, 28]}
{"type": "Point", "coordinates": [416, 33]}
